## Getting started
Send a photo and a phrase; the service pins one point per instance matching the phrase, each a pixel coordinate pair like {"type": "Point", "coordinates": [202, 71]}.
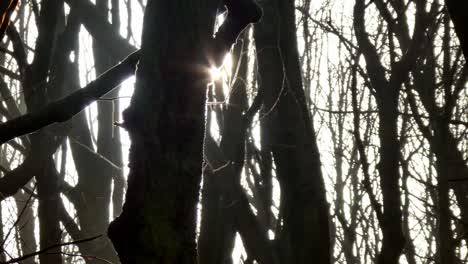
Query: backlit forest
{"type": "Point", "coordinates": [233, 131]}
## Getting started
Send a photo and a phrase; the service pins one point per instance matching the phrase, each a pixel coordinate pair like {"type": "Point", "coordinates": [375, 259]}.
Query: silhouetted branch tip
{"type": "Point", "coordinates": [17, 260]}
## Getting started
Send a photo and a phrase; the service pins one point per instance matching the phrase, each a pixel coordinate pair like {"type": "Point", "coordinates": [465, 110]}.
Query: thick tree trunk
{"type": "Point", "coordinates": [293, 142]}
{"type": "Point", "coordinates": [166, 125]}
{"type": "Point", "coordinates": [216, 240]}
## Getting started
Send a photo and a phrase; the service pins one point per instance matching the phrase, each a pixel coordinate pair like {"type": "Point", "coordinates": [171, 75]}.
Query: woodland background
{"type": "Point", "coordinates": [336, 133]}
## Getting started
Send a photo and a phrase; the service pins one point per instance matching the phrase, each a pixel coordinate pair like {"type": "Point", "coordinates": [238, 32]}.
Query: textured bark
{"type": "Point", "coordinates": [305, 234]}
{"type": "Point", "coordinates": [215, 242]}
{"type": "Point", "coordinates": [166, 123]}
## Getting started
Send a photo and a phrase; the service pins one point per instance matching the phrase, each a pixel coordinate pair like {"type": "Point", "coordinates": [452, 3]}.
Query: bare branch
{"type": "Point", "coordinates": [66, 108]}
{"type": "Point", "coordinates": [17, 260]}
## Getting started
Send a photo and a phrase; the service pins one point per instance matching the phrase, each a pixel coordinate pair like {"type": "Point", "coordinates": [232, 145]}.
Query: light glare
{"type": "Point", "coordinates": [215, 73]}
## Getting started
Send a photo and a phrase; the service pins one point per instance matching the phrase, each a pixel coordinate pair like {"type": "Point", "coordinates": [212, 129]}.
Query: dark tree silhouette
{"type": "Point", "coordinates": [166, 125]}
{"type": "Point", "coordinates": [387, 90]}
{"type": "Point", "coordinates": [304, 235]}
{"type": "Point", "coordinates": [362, 111]}
{"type": "Point", "coordinates": [457, 10]}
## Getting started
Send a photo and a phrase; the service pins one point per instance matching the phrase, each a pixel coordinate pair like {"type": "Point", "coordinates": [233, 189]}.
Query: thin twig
{"type": "Point", "coordinates": [16, 260]}
{"type": "Point", "coordinates": [17, 219]}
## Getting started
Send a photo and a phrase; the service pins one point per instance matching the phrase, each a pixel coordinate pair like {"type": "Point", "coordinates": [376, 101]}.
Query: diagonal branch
{"type": "Point", "coordinates": [16, 178]}
{"type": "Point", "coordinates": [66, 108]}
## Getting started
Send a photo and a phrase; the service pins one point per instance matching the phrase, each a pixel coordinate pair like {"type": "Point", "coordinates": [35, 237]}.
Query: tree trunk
{"type": "Point", "coordinates": [225, 207]}
{"type": "Point", "coordinates": [43, 142]}
{"type": "Point", "coordinates": [95, 185]}
{"type": "Point", "coordinates": [393, 239]}
{"type": "Point", "coordinates": [293, 142]}
{"type": "Point", "coordinates": [217, 231]}
{"type": "Point", "coordinates": [387, 94]}
{"type": "Point", "coordinates": [166, 126]}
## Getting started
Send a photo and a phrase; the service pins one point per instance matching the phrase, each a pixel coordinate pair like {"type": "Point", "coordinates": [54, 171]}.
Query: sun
{"type": "Point", "coordinates": [224, 71]}
{"type": "Point", "coordinates": [216, 73]}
